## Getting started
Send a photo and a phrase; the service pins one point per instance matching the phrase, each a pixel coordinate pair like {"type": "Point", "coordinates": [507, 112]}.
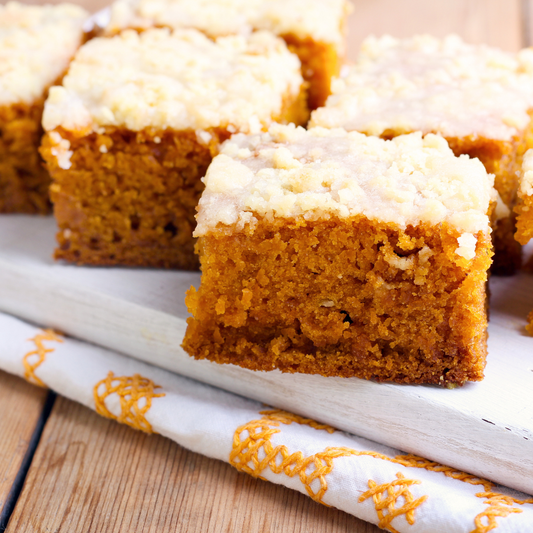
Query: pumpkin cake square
{"type": "Point", "coordinates": [135, 125]}
{"type": "Point", "coordinates": [36, 46]}
{"type": "Point", "coordinates": [335, 253]}
{"type": "Point", "coordinates": [479, 98]}
{"type": "Point", "coordinates": [313, 29]}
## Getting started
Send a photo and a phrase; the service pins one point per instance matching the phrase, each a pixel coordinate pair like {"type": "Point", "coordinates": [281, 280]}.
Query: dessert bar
{"type": "Point", "coordinates": [313, 29]}
{"type": "Point", "coordinates": [36, 46]}
{"type": "Point", "coordinates": [342, 254]}
{"type": "Point", "coordinates": [135, 126]}
{"type": "Point", "coordinates": [478, 98]}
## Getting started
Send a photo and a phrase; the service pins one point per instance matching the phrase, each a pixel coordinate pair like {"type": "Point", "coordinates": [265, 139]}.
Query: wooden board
{"type": "Point", "coordinates": [114, 479]}
{"type": "Point", "coordinates": [484, 428]}
{"type": "Point", "coordinates": [21, 407]}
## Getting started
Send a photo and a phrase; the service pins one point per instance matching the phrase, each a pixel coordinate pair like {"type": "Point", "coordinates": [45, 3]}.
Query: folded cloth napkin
{"type": "Point", "coordinates": [398, 492]}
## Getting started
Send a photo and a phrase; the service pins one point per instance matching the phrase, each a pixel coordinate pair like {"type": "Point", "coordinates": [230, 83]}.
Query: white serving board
{"type": "Point", "coordinates": [484, 428]}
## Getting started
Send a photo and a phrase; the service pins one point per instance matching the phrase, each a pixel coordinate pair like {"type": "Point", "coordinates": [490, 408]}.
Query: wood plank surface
{"type": "Point", "coordinates": [93, 475]}
{"type": "Point", "coordinates": [494, 22]}
{"type": "Point", "coordinates": [21, 405]}
{"type": "Point", "coordinates": [527, 22]}
{"type": "Point", "coordinates": [90, 5]}
{"type": "Point", "coordinates": [501, 23]}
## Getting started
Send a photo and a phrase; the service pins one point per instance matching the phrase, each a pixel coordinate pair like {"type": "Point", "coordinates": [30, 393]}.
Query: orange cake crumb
{"type": "Point", "coordinates": [529, 327]}
{"type": "Point", "coordinates": [333, 298]}
{"type": "Point", "coordinates": [23, 180]}
{"type": "Point", "coordinates": [128, 198]}
{"type": "Point", "coordinates": [320, 63]}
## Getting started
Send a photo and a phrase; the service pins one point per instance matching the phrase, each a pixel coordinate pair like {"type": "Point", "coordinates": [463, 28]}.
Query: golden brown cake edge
{"type": "Point", "coordinates": [261, 323]}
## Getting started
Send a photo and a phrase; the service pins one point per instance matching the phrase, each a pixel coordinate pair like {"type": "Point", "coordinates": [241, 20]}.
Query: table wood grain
{"type": "Point", "coordinates": [93, 475]}
{"type": "Point", "coordinates": [493, 22]}
{"type": "Point", "coordinates": [90, 474]}
{"type": "Point", "coordinates": [21, 405]}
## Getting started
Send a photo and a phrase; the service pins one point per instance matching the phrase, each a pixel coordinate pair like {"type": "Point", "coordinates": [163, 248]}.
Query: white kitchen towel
{"type": "Point", "coordinates": [396, 491]}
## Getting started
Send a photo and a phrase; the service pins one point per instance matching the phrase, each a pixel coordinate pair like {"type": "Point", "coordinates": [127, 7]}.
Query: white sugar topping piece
{"type": "Point", "coordinates": [290, 172]}
{"type": "Point", "coordinates": [61, 150]}
{"type": "Point", "coordinates": [180, 80]}
{"type": "Point", "coordinates": [36, 45]}
{"type": "Point", "coordinates": [467, 246]}
{"type": "Point", "coordinates": [320, 20]}
{"type": "Point", "coordinates": [430, 85]}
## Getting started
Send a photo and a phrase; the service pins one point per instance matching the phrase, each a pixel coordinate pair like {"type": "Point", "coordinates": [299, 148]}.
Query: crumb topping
{"type": "Point", "coordinates": [430, 85]}
{"type": "Point", "coordinates": [61, 150]}
{"type": "Point", "coordinates": [180, 80]}
{"type": "Point", "coordinates": [36, 45]}
{"type": "Point", "coordinates": [290, 172]}
{"type": "Point", "coordinates": [319, 20]}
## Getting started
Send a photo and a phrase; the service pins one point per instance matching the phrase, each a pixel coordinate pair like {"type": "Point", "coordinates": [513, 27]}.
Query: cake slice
{"type": "Point", "coordinates": [340, 254]}
{"type": "Point", "coordinates": [313, 29]}
{"type": "Point", "coordinates": [36, 46]}
{"type": "Point", "coordinates": [479, 98]}
{"type": "Point", "coordinates": [135, 126]}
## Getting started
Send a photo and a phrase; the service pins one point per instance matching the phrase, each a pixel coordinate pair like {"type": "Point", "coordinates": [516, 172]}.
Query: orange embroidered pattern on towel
{"type": "Point", "coordinates": [246, 452]}
{"type": "Point", "coordinates": [499, 505]}
{"type": "Point", "coordinates": [386, 507]}
{"type": "Point", "coordinates": [252, 441]}
{"type": "Point", "coordinates": [135, 394]}
{"type": "Point", "coordinates": [32, 360]}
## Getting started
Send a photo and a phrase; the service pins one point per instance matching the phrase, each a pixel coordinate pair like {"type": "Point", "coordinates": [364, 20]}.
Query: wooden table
{"type": "Point", "coordinates": [63, 468]}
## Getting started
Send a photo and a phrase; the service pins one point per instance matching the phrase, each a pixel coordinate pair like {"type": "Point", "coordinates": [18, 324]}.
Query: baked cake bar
{"type": "Point", "coordinates": [340, 254]}
{"type": "Point", "coordinates": [479, 98]}
{"type": "Point", "coordinates": [36, 46]}
{"type": "Point", "coordinates": [313, 29]}
{"type": "Point", "coordinates": [135, 126]}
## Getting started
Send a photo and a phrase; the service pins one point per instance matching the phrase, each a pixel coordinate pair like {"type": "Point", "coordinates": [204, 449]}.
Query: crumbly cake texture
{"type": "Point", "coordinates": [478, 98]}
{"type": "Point", "coordinates": [36, 45]}
{"type": "Point", "coordinates": [127, 198]}
{"type": "Point", "coordinates": [313, 29]}
{"type": "Point", "coordinates": [24, 181]}
{"type": "Point", "coordinates": [529, 326]}
{"type": "Point", "coordinates": [504, 160]}
{"type": "Point", "coordinates": [134, 127]}
{"type": "Point", "coordinates": [524, 211]}
{"type": "Point", "coordinates": [339, 254]}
